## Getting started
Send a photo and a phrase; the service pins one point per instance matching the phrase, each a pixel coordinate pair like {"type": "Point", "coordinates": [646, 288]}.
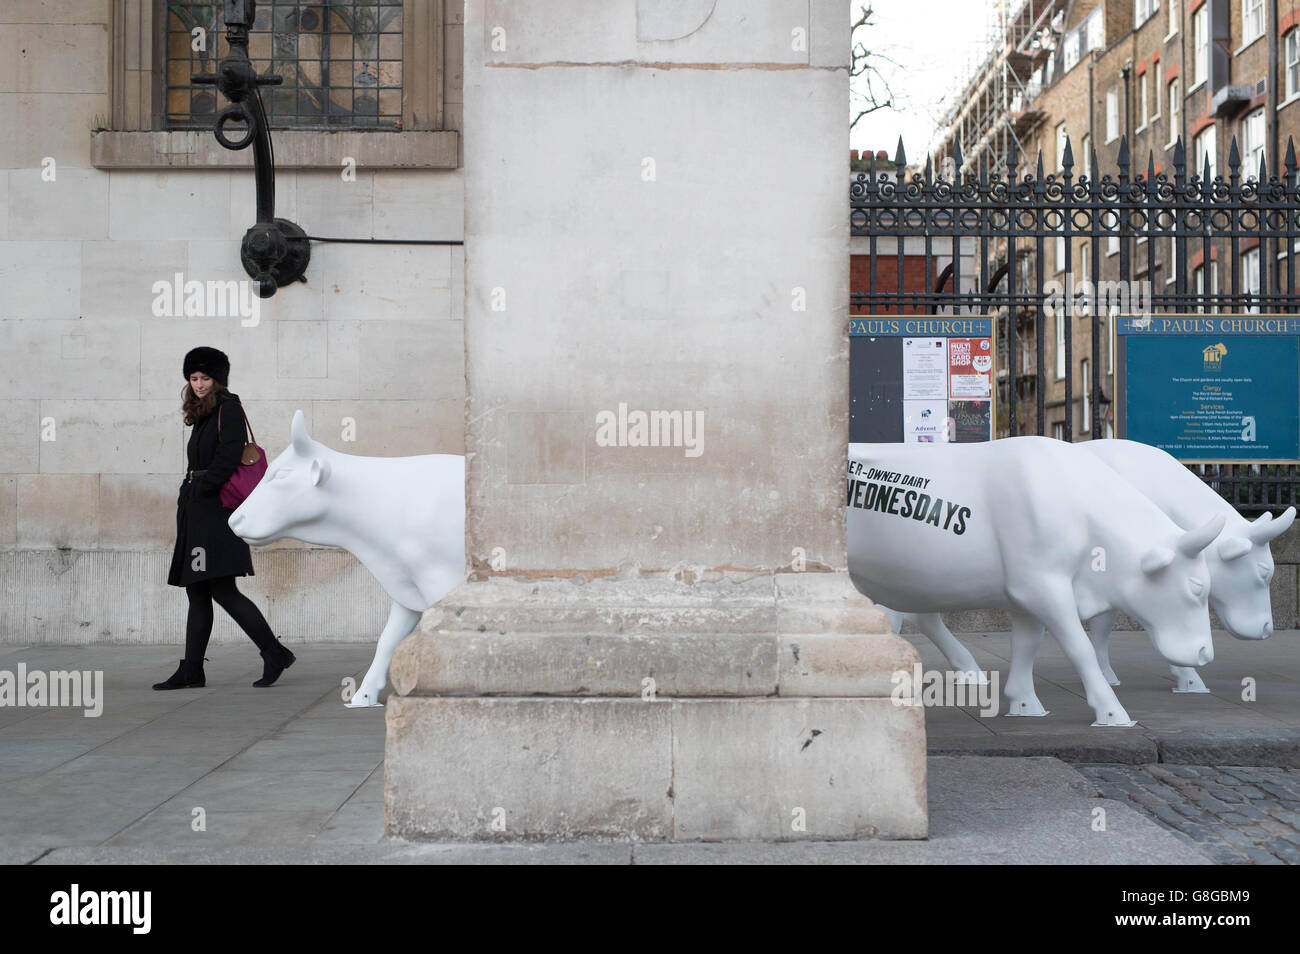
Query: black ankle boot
{"type": "Point", "coordinates": [274, 662]}
{"type": "Point", "coordinates": [186, 676]}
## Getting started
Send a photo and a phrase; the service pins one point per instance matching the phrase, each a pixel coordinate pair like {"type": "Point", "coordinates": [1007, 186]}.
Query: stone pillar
{"type": "Point", "coordinates": [657, 273]}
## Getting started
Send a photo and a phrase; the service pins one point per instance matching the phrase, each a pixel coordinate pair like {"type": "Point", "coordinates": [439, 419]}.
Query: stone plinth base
{"type": "Point", "coordinates": [641, 726]}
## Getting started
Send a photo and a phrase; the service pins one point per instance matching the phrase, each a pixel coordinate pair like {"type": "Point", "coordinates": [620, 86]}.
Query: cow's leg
{"type": "Point", "coordinates": [1099, 630]}
{"type": "Point", "coordinates": [895, 617]}
{"type": "Point", "coordinates": [1187, 679]}
{"type": "Point", "coordinates": [400, 623]}
{"type": "Point", "coordinates": [1059, 612]}
{"type": "Point", "coordinates": [1026, 637]}
{"type": "Point", "coordinates": [959, 657]}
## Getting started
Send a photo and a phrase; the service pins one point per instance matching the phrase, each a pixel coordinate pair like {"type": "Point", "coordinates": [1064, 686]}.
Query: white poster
{"type": "Point", "coordinates": [925, 369]}
{"type": "Point", "coordinates": [925, 422]}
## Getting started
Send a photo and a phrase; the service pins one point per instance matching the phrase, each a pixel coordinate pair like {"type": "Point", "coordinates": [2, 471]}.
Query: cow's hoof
{"type": "Point", "coordinates": [364, 701]}
{"type": "Point", "coordinates": [1111, 678]}
{"type": "Point", "coordinates": [970, 677]}
{"type": "Point", "coordinates": [1025, 707]}
{"type": "Point", "coordinates": [1188, 681]}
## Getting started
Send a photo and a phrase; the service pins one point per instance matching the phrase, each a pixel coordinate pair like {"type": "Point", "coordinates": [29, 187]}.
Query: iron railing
{"type": "Point", "coordinates": [1150, 230]}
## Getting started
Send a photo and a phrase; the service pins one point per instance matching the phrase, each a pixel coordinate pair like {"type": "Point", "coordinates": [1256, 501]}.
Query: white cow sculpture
{"type": "Point", "coordinates": [402, 517]}
{"type": "Point", "coordinates": [1019, 524]}
{"type": "Point", "coordinates": [1240, 562]}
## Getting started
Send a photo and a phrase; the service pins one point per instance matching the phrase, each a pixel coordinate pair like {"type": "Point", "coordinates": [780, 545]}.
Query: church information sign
{"type": "Point", "coordinates": [1211, 388]}
{"type": "Point", "coordinates": [920, 379]}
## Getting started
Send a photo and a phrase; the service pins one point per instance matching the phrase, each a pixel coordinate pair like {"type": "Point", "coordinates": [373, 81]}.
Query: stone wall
{"type": "Point", "coordinates": [91, 440]}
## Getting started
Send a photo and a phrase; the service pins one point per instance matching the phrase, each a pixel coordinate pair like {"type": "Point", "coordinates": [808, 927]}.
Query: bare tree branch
{"type": "Point", "coordinates": [868, 87]}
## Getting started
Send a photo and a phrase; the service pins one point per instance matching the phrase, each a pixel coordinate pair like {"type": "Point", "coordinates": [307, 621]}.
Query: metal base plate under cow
{"type": "Point", "coordinates": [1035, 527]}
{"type": "Point", "coordinates": [402, 517]}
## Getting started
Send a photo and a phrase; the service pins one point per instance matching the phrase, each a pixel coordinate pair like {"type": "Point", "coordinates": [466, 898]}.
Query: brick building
{"type": "Point", "coordinates": [1094, 72]}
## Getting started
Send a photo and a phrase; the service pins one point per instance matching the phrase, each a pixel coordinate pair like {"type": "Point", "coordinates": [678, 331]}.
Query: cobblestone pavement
{"type": "Point", "coordinates": [1236, 815]}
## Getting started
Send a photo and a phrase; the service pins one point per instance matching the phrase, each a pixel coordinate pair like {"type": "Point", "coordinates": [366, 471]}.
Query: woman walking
{"type": "Point", "coordinates": [208, 556]}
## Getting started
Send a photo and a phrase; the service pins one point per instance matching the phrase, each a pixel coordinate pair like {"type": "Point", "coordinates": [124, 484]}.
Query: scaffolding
{"type": "Point", "coordinates": [995, 108]}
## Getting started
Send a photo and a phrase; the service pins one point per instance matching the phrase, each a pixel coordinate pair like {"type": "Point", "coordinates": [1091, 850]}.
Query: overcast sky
{"type": "Point", "coordinates": [934, 44]}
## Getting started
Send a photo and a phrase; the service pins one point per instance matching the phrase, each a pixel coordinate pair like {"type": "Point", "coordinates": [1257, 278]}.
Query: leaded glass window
{"type": "Point", "coordinates": [341, 61]}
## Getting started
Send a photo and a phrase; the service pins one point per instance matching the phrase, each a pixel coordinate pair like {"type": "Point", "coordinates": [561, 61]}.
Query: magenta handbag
{"type": "Point", "coordinates": [252, 466]}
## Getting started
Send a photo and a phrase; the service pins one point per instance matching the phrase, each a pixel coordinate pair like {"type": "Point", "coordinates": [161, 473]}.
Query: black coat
{"type": "Point", "coordinates": [200, 517]}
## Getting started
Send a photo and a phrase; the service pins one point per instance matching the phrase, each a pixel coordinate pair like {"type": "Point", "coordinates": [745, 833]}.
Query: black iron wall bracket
{"type": "Point", "coordinates": [275, 251]}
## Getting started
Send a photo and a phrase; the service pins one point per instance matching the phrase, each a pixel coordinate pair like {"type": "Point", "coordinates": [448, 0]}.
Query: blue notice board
{"type": "Point", "coordinates": [1215, 396]}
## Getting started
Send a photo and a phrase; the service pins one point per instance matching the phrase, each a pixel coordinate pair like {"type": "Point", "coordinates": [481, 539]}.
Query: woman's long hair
{"type": "Point", "coordinates": [195, 408]}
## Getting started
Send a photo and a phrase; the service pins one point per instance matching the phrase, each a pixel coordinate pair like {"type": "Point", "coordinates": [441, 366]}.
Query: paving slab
{"type": "Point", "coordinates": [1256, 723]}
{"type": "Point", "coordinates": [289, 774]}
{"type": "Point", "coordinates": [983, 811]}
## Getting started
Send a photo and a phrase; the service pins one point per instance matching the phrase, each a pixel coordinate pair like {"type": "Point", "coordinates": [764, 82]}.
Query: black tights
{"type": "Point", "coordinates": [242, 610]}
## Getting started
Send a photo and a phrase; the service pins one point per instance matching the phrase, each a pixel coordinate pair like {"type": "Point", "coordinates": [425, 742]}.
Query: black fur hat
{"type": "Point", "coordinates": [211, 362]}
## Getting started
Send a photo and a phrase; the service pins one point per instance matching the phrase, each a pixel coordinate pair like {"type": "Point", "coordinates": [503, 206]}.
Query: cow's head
{"type": "Point", "coordinates": [1241, 568]}
{"type": "Point", "coordinates": [291, 499]}
{"type": "Point", "coordinates": [1170, 595]}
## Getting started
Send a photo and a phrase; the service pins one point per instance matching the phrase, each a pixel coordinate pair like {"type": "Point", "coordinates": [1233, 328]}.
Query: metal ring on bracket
{"type": "Point", "coordinates": [235, 113]}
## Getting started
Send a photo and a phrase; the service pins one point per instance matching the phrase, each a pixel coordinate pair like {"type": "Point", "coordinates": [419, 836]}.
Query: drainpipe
{"type": "Point", "coordinates": [1127, 72]}
{"type": "Point", "coordinates": [1092, 109]}
{"type": "Point", "coordinates": [1270, 90]}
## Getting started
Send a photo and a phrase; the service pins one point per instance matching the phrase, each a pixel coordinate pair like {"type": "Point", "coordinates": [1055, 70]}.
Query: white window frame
{"type": "Point", "coordinates": [1086, 389]}
{"type": "Point", "coordinates": [1060, 253]}
{"type": "Point", "coordinates": [1058, 430]}
{"type": "Point", "coordinates": [1206, 143]}
{"type": "Point", "coordinates": [1060, 344]}
{"type": "Point", "coordinates": [1200, 46]}
{"type": "Point", "coordinates": [1250, 276]}
{"type": "Point", "coordinates": [1143, 100]}
{"type": "Point", "coordinates": [1173, 260]}
{"type": "Point", "coordinates": [1252, 150]}
{"type": "Point", "coordinates": [1095, 31]}
{"type": "Point", "coordinates": [1175, 16]}
{"type": "Point", "coordinates": [1144, 10]}
{"type": "Point", "coordinates": [1071, 49]}
{"type": "Point", "coordinates": [1158, 87]}
{"type": "Point", "coordinates": [1061, 134]}
{"type": "Point", "coordinates": [1112, 114]}
{"type": "Point", "coordinates": [1174, 88]}
{"type": "Point", "coordinates": [1112, 245]}
{"type": "Point", "coordinates": [1084, 160]}
{"type": "Point", "coordinates": [1291, 52]}
{"type": "Point", "coordinates": [1251, 9]}
{"type": "Point", "coordinates": [1198, 282]}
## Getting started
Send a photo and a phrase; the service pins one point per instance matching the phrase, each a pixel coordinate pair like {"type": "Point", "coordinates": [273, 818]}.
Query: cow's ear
{"type": "Point", "coordinates": [1231, 548]}
{"type": "Point", "coordinates": [298, 435]}
{"type": "Point", "coordinates": [320, 471]}
{"type": "Point", "coordinates": [1157, 558]}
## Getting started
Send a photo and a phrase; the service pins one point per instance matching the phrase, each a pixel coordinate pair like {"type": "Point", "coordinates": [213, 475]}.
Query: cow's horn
{"type": "Point", "coordinates": [1267, 527]}
{"type": "Point", "coordinates": [298, 433]}
{"type": "Point", "coordinates": [1194, 541]}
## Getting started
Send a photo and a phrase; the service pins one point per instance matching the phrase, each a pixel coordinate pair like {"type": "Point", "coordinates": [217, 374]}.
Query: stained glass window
{"type": "Point", "coordinates": [341, 61]}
